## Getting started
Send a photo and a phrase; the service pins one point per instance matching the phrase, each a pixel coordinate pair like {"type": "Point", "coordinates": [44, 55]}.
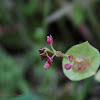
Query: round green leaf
{"type": "Point", "coordinates": [82, 50]}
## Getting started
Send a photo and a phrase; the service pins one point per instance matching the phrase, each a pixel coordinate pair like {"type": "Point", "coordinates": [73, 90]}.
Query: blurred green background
{"type": "Point", "coordinates": [24, 25]}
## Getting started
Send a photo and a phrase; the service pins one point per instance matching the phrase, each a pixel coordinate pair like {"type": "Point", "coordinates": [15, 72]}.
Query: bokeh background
{"type": "Point", "coordinates": [24, 26]}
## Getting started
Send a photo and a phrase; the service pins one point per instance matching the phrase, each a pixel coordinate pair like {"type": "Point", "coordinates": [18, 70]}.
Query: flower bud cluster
{"type": "Point", "coordinates": [44, 56]}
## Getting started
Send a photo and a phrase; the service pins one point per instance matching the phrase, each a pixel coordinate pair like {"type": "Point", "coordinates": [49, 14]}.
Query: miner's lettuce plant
{"type": "Point", "coordinates": [79, 62]}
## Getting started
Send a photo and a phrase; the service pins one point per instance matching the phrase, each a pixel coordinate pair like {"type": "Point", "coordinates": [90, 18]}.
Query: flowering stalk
{"type": "Point", "coordinates": [44, 53]}
{"type": "Point", "coordinates": [55, 52]}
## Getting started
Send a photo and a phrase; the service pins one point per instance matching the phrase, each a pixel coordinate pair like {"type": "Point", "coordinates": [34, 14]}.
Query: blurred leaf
{"type": "Point", "coordinates": [39, 34]}
{"type": "Point", "coordinates": [27, 97]}
{"type": "Point", "coordinates": [30, 7]}
{"type": "Point", "coordinates": [11, 75]}
{"type": "Point", "coordinates": [13, 41]}
{"type": "Point", "coordinates": [78, 15]}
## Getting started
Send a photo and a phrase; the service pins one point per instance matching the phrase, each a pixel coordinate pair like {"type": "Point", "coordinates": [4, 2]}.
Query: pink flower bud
{"type": "Point", "coordinates": [43, 56]}
{"type": "Point", "coordinates": [50, 60]}
{"type": "Point", "coordinates": [47, 65]}
{"type": "Point", "coordinates": [60, 53]}
{"type": "Point", "coordinates": [70, 58]}
{"type": "Point", "coordinates": [41, 50]}
{"type": "Point", "coordinates": [67, 66]}
{"type": "Point", "coordinates": [50, 39]}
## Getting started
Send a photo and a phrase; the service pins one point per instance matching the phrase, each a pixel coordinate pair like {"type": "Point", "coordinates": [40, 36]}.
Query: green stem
{"type": "Point", "coordinates": [55, 52]}
{"type": "Point", "coordinates": [53, 56]}
{"type": "Point", "coordinates": [75, 88]}
{"type": "Point", "coordinates": [52, 47]}
{"type": "Point", "coordinates": [87, 85]}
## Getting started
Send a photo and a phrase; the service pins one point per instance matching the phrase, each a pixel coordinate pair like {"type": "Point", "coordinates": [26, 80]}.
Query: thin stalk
{"type": "Point", "coordinates": [83, 93]}
{"type": "Point", "coordinates": [75, 88]}
{"type": "Point", "coordinates": [55, 52]}
{"type": "Point", "coordinates": [52, 47]}
{"type": "Point", "coordinates": [53, 56]}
